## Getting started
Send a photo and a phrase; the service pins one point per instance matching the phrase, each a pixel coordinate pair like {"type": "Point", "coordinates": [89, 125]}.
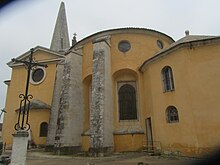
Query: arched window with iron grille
{"type": "Point", "coordinates": [172, 114]}
{"type": "Point", "coordinates": [167, 79]}
{"type": "Point", "coordinates": [127, 102]}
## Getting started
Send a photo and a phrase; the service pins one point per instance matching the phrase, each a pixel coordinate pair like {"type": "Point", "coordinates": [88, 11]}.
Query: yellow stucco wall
{"type": "Point", "coordinates": [196, 96]}
{"type": "Point", "coordinates": [43, 92]}
{"type": "Point", "coordinates": [124, 67]}
{"type": "Point", "coordinates": [37, 116]}
{"type": "Point", "coordinates": [128, 142]}
{"type": "Point", "coordinates": [194, 70]}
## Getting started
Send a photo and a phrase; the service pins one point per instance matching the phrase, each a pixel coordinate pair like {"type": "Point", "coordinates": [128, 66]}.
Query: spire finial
{"type": "Point", "coordinates": [74, 39]}
{"type": "Point", "coordinates": [187, 32]}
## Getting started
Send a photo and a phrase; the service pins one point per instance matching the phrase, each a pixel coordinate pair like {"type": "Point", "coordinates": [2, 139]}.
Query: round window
{"type": "Point", "coordinates": [160, 44]}
{"type": "Point", "coordinates": [37, 75]}
{"type": "Point", "coordinates": [124, 46]}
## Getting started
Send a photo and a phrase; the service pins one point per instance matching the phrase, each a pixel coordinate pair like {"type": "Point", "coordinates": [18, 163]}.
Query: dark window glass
{"type": "Point", "coordinates": [124, 46]}
{"type": "Point", "coordinates": [37, 75]}
{"type": "Point", "coordinates": [160, 44]}
{"type": "Point", "coordinates": [172, 115]}
{"type": "Point", "coordinates": [61, 43]}
{"type": "Point", "coordinates": [167, 76]}
{"type": "Point", "coordinates": [43, 129]}
{"type": "Point", "coordinates": [127, 103]}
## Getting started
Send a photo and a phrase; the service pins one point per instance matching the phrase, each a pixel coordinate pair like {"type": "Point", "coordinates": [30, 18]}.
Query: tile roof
{"type": "Point", "coordinates": [37, 104]}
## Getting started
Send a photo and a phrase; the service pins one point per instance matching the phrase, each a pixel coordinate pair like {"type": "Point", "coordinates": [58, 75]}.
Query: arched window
{"type": "Point", "coordinates": [167, 78]}
{"type": "Point", "coordinates": [127, 102]}
{"type": "Point", "coordinates": [43, 129]}
{"type": "Point", "coordinates": [172, 114]}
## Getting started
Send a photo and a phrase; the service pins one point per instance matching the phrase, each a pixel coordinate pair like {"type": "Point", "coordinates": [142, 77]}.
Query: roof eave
{"type": "Point", "coordinates": [118, 30]}
{"type": "Point", "coordinates": [37, 48]}
{"type": "Point", "coordinates": [189, 44]}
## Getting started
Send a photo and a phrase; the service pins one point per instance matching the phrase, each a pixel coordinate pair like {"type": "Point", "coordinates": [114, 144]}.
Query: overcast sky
{"type": "Point", "coordinates": [26, 24]}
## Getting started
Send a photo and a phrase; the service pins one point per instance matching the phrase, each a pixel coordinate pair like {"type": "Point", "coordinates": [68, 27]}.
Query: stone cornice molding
{"type": "Point", "coordinates": [105, 39]}
{"type": "Point", "coordinates": [128, 30]}
{"type": "Point", "coordinates": [37, 48]}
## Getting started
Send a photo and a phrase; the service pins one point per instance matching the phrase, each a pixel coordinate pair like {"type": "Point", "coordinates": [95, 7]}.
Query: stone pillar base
{"type": "Point", "coordinates": [19, 148]}
{"type": "Point", "coordinates": [68, 150]}
{"type": "Point", "coordinates": [98, 152]}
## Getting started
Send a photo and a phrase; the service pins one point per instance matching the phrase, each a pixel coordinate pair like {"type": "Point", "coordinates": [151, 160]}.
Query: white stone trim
{"type": "Point", "coordinates": [37, 83]}
{"type": "Point", "coordinates": [44, 61]}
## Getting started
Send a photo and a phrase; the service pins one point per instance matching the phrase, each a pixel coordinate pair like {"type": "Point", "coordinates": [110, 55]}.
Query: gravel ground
{"type": "Point", "coordinates": [45, 158]}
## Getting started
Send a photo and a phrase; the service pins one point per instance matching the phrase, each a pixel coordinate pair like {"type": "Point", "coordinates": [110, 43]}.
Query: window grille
{"type": "Point", "coordinates": [127, 102]}
{"type": "Point", "coordinates": [167, 78]}
{"type": "Point", "coordinates": [172, 114]}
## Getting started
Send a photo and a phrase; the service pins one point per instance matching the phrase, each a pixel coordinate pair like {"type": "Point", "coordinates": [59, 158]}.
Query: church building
{"type": "Point", "coordinates": [118, 90]}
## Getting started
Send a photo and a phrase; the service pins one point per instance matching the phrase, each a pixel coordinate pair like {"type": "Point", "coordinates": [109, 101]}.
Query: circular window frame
{"type": "Point", "coordinates": [31, 76]}
{"type": "Point", "coordinates": [123, 49]}
{"type": "Point", "coordinates": [160, 44]}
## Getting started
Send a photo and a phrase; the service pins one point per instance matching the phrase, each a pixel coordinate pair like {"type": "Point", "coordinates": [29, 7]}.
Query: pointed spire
{"type": "Point", "coordinates": [60, 40]}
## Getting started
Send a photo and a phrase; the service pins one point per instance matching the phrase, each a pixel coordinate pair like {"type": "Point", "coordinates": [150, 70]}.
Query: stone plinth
{"type": "Point", "coordinates": [19, 148]}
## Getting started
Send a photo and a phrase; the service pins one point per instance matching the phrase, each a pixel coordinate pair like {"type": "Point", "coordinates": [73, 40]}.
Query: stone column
{"type": "Point", "coordinates": [19, 148]}
{"type": "Point", "coordinates": [101, 117]}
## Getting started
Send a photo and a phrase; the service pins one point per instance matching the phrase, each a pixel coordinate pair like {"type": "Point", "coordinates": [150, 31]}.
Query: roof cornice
{"type": "Point", "coordinates": [174, 47]}
{"type": "Point", "coordinates": [37, 48]}
{"type": "Point", "coordinates": [121, 31]}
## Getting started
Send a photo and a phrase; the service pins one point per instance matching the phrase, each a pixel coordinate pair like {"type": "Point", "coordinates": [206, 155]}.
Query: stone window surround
{"type": "Point", "coordinates": [32, 71]}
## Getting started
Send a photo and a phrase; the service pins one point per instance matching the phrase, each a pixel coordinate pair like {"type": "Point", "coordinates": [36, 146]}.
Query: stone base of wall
{"type": "Point", "coordinates": [189, 151]}
{"type": "Point", "coordinates": [96, 152]}
{"type": "Point", "coordinates": [49, 148]}
{"type": "Point", "coordinates": [67, 150]}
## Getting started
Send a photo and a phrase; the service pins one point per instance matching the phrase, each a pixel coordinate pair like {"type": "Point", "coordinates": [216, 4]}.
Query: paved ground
{"type": "Point", "coordinates": [43, 158]}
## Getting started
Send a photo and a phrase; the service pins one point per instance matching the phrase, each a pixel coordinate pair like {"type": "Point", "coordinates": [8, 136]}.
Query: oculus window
{"type": "Point", "coordinates": [38, 75]}
{"type": "Point", "coordinates": [160, 44]}
{"type": "Point", "coordinates": [124, 46]}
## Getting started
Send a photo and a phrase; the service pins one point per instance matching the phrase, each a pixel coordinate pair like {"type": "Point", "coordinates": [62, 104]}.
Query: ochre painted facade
{"type": "Point", "coordinates": [124, 68]}
{"type": "Point", "coordinates": [127, 89]}
{"type": "Point", "coordinates": [195, 71]}
{"type": "Point", "coordinates": [42, 92]}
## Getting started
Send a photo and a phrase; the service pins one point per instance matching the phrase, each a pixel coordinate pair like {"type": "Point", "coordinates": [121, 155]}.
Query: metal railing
{"type": "Point", "coordinates": [152, 147]}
